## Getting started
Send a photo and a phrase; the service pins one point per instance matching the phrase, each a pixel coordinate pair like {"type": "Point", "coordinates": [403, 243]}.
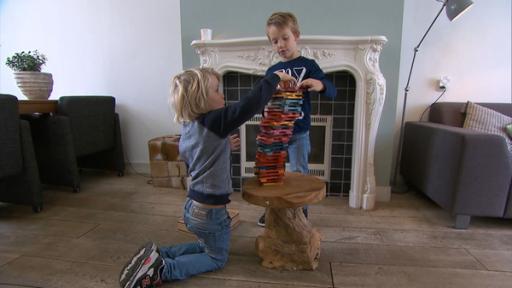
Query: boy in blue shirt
{"type": "Point", "coordinates": [283, 33]}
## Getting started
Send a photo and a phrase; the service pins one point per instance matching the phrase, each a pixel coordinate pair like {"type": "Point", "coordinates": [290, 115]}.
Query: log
{"type": "Point", "coordinates": [289, 241]}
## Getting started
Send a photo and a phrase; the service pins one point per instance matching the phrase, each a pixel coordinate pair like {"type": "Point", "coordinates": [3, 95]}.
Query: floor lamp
{"type": "Point", "coordinates": [454, 8]}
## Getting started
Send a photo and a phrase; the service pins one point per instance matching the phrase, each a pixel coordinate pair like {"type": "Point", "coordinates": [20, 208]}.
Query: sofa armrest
{"type": "Point", "coordinates": [464, 171]}
{"type": "Point", "coordinates": [10, 146]}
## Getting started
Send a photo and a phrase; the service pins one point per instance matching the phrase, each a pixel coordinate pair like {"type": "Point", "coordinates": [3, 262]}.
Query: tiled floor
{"type": "Point", "coordinates": [83, 240]}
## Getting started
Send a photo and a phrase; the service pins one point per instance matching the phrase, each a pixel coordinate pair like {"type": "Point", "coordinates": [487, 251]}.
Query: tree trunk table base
{"type": "Point", "coordinates": [289, 242]}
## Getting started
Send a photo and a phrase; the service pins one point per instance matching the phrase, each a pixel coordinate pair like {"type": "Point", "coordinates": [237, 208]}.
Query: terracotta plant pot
{"type": "Point", "coordinates": [35, 85]}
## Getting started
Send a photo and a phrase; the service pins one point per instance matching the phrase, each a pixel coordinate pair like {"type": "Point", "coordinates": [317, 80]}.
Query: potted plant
{"type": "Point", "coordinates": [33, 83]}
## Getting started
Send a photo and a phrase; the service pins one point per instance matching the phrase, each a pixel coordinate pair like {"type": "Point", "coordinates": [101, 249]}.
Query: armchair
{"type": "Point", "coordinates": [466, 172]}
{"type": "Point", "coordinates": [19, 177]}
{"type": "Point", "coordinates": [84, 133]}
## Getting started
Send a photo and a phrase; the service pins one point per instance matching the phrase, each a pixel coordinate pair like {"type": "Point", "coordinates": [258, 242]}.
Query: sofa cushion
{"type": "Point", "coordinates": [509, 130]}
{"type": "Point", "coordinates": [453, 113]}
{"type": "Point", "coordinates": [92, 120]}
{"type": "Point", "coordinates": [483, 119]}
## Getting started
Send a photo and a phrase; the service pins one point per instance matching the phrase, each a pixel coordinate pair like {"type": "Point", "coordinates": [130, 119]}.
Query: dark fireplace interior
{"type": "Point", "coordinates": [341, 109]}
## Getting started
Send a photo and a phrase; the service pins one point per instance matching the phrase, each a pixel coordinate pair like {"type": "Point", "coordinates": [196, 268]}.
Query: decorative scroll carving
{"type": "Point", "coordinates": [374, 98]}
{"type": "Point", "coordinates": [317, 54]}
{"type": "Point", "coordinates": [373, 55]}
{"type": "Point", "coordinates": [375, 93]}
{"type": "Point", "coordinates": [208, 57]}
{"type": "Point", "coordinates": [262, 57]}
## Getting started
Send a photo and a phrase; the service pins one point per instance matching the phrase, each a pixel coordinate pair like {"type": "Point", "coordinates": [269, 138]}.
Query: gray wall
{"type": "Point", "coordinates": [246, 18]}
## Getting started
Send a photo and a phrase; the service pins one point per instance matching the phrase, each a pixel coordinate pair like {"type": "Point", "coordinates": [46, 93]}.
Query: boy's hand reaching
{"type": "Point", "coordinates": [234, 142]}
{"type": "Point", "coordinates": [312, 85]}
{"type": "Point", "coordinates": [284, 76]}
{"type": "Point", "coordinates": [287, 81]}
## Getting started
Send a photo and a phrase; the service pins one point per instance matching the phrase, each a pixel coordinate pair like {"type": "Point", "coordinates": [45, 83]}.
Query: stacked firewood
{"type": "Point", "coordinates": [276, 128]}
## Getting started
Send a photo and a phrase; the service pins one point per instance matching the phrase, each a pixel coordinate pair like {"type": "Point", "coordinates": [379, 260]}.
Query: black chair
{"type": "Point", "coordinates": [19, 176]}
{"type": "Point", "coordinates": [84, 133]}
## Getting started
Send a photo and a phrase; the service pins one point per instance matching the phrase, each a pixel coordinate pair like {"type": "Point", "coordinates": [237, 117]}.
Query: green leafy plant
{"type": "Point", "coordinates": [26, 61]}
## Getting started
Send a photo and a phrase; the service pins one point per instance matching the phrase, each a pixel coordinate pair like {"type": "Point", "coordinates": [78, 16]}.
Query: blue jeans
{"type": "Point", "coordinates": [209, 253]}
{"type": "Point", "coordinates": [298, 152]}
{"type": "Point", "coordinates": [299, 148]}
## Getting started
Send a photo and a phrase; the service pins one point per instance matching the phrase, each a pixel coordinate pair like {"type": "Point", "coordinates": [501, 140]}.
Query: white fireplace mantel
{"type": "Point", "coordinates": [358, 55]}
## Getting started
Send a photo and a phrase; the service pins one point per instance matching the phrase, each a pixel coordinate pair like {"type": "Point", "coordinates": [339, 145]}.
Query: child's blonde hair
{"type": "Point", "coordinates": [189, 93]}
{"type": "Point", "coordinates": [282, 20]}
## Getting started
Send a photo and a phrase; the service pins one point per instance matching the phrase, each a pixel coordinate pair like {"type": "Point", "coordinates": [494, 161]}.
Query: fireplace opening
{"type": "Point", "coordinates": [331, 132]}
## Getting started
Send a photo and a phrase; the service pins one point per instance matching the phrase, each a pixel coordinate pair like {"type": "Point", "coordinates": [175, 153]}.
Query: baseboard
{"type": "Point", "coordinates": [138, 168]}
{"type": "Point", "coordinates": [383, 193]}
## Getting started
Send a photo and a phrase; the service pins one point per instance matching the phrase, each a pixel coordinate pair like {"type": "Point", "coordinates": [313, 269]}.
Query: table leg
{"type": "Point", "coordinates": [289, 241]}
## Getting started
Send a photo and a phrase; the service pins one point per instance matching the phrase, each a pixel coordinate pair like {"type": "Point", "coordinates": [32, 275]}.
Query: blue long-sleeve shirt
{"type": "Point", "coordinates": [204, 143]}
{"type": "Point", "coordinates": [302, 68]}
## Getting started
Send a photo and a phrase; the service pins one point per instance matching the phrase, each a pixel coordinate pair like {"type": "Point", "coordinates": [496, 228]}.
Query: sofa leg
{"type": "Point", "coordinates": [462, 221]}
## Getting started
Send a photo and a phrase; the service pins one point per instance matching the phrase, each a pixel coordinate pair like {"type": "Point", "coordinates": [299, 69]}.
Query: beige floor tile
{"type": "Point", "coordinates": [83, 239]}
{"type": "Point", "coordinates": [88, 251]}
{"type": "Point", "coordinates": [247, 268]}
{"type": "Point", "coordinates": [138, 234]}
{"type": "Point", "coordinates": [203, 281]}
{"type": "Point", "coordinates": [450, 238]}
{"type": "Point", "coordinates": [50, 273]}
{"type": "Point", "coordinates": [350, 235]}
{"type": "Point", "coordinates": [494, 260]}
{"type": "Point", "coordinates": [7, 257]}
{"type": "Point", "coordinates": [46, 226]}
{"type": "Point", "coordinates": [20, 242]}
{"type": "Point", "coordinates": [398, 255]}
{"type": "Point", "coordinates": [379, 276]}
{"type": "Point", "coordinates": [108, 204]}
{"type": "Point", "coordinates": [100, 216]}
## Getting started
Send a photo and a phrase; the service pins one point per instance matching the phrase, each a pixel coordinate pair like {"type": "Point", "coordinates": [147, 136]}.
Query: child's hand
{"type": "Point", "coordinates": [284, 76]}
{"type": "Point", "coordinates": [234, 142]}
{"type": "Point", "coordinates": [312, 85]}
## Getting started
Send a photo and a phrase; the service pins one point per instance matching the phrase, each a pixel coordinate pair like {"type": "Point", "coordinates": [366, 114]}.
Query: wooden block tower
{"type": "Point", "coordinates": [276, 128]}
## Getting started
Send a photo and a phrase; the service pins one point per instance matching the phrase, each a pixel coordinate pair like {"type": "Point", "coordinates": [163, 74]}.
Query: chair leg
{"type": "Point", "coordinates": [462, 221]}
{"type": "Point", "coordinates": [37, 208]}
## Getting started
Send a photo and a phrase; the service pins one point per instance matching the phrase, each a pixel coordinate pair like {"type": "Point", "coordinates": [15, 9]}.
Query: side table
{"type": "Point", "coordinates": [37, 106]}
{"type": "Point", "coordinates": [289, 241]}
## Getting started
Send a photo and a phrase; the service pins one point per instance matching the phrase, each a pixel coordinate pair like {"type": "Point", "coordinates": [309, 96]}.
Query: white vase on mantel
{"type": "Point", "coordinates": [34, 85]}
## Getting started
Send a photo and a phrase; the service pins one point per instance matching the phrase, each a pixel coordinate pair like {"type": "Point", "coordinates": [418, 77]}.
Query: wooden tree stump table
{"type": "Point", "coordinates": [289, 241]}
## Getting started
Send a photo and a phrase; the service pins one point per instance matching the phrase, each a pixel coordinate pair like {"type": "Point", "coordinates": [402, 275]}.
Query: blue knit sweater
{"type": "Point", "coordinates": [204, 143]}
{"type": "Point", "coordinates": [307, 68]}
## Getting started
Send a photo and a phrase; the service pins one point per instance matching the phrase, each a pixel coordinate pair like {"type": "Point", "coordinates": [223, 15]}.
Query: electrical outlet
{"type": "Point", "coordinates": [444, 82]}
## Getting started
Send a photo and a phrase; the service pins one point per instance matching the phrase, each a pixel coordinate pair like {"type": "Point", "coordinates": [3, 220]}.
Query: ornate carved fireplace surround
{"type": "Point", "coordinates": [357, 55]}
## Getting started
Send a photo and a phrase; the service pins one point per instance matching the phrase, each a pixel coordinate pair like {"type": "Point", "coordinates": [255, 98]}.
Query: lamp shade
{"type": "Point", "coordinates": [455, 8]}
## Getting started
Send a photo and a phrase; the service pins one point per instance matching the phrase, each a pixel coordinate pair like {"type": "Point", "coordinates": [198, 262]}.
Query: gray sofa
{"type": "Point", "coordinates": [466, 172]}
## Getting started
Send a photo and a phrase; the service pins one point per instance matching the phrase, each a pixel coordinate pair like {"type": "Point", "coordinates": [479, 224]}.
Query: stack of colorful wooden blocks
{"type": "Point", "coordinates": [276, 128]}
